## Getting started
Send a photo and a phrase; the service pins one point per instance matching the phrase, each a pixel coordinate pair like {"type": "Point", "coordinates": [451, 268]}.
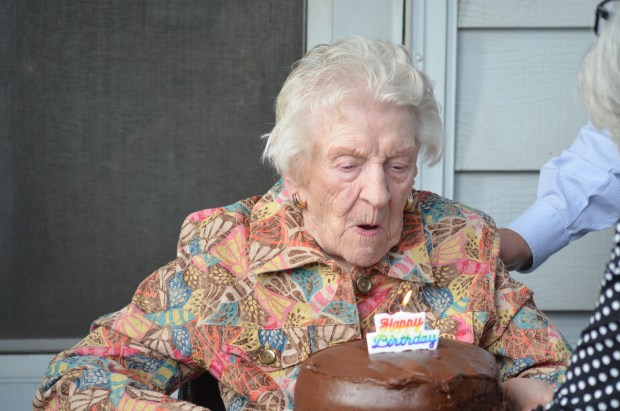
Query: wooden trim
{"type": "Point", "coordinates": [35, 346]}
{"type": "Point", "coordinates": [432, 42]}
{"type": "Point", "coordinates": [319, 23]}
{"type": "Point", "coordinates": [329, 20]}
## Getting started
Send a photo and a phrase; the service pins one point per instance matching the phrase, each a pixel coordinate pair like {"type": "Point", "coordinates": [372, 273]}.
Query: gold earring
{"type": "Point", "coordinates": [297, 201]}
{"type": "Point", "coordinates": [409, 203]}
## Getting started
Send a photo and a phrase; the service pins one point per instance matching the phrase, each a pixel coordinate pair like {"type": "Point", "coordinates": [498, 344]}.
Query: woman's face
{"type": "Point", "coordinates": [356, 183]}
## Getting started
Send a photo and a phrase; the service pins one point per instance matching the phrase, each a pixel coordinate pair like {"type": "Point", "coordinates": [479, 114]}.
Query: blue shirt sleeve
{"type": "Point", "coordinates": [578, 192]}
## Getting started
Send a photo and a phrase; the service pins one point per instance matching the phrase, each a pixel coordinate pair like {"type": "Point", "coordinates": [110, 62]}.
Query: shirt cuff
{"type": "Point", "coordinates": [543, 230]}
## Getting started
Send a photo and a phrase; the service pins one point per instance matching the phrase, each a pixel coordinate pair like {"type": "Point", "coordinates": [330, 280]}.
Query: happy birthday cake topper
{"type": "Point", "coordinates": [401, 331]}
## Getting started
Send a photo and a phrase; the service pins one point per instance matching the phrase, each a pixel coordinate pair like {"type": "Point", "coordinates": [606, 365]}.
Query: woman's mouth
{"type": "Point", "coordinates": [367, 230]}
{"type": "Point", "coordinates": [367, 227]}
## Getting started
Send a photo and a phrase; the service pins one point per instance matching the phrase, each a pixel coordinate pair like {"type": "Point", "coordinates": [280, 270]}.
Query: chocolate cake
{"type": "Point", "coordinates": [455, 376]}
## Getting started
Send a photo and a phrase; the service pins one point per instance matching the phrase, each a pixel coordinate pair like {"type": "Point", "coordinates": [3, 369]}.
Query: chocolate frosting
{"type": "Point", "coordinates": [455, 376]}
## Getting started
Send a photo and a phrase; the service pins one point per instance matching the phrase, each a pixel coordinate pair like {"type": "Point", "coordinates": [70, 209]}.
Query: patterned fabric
{"type": "Point", "coordinates": [592, 380]}
{"type": "Point", "coordinates": [248, 278]}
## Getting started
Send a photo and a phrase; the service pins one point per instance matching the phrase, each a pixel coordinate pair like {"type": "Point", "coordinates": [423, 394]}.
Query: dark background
{"type": "Point", "coordinates": [118, 119]}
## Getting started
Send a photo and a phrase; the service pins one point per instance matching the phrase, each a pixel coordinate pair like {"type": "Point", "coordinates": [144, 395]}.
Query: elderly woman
{"type": "Point", "coordinates": [259, 285]}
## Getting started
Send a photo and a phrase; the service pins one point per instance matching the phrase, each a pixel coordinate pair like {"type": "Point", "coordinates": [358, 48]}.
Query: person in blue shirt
{"type": "Point", "coordinates": [578, 192]}
{"type": "Point", "coordinates": [593, 377]}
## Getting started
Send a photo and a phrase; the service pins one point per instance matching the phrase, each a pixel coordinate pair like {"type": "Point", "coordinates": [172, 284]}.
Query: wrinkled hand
{"type": "Point", "coordinates": [525, 394]}
{"type": "Point", "coordinates": [513, 250]}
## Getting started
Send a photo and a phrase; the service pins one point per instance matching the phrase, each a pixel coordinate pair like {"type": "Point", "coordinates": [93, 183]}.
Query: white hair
{"type": "Point", "coordinates": [599, 79]}
{"type": "Point", "coordinates": [380, 71]}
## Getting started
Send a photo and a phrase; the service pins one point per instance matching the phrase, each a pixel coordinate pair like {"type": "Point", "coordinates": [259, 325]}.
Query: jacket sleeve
{"type": "Point", "coordinates": [521, 336]}
{"type": "Point", "coordinates": [134, 358]}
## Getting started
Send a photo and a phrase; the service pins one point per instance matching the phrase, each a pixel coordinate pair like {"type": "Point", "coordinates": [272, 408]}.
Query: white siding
{"type": "Point", "coordinates": [517, 100]}
{"type": "Point", "coordinates": [526, 13]}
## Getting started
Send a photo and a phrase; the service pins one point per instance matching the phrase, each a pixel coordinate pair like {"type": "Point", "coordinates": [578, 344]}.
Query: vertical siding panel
{"type": "Point", "coordinates": [517, 99]}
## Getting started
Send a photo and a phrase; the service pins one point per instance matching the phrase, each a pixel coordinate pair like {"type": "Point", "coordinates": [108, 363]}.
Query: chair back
{"type": "Point", "coordinates": [203, 391]}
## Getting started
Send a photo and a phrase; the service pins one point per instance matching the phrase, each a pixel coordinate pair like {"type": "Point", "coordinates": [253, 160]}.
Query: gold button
{"type": "Point", "coordinates": [363, 284]}
{"type": "Point", "coordinates": [267, 357]}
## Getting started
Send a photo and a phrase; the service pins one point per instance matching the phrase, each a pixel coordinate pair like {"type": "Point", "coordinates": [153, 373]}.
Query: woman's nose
{"type": "Point", "coordinates": [375, 188]}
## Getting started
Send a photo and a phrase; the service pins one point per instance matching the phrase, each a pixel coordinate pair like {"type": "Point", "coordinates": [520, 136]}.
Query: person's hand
{"type": "Point", "coordinates": [513, 250]}
{"type": "Point", "coordinates": [526, 394]}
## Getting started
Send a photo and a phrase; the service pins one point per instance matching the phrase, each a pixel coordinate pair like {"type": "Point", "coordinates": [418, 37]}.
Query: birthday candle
{"type": "Point", "coordinates": [401, 331]}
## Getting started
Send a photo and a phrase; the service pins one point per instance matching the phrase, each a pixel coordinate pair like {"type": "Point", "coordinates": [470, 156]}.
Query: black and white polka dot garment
{"type": "Point", "coordinates": [593, 377]}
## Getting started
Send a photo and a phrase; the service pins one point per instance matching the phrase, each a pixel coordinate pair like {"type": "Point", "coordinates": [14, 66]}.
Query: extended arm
{"type": "Point", "coordinates": [531, 352]}
{"type": "Point", "coordinates": [578, 192]}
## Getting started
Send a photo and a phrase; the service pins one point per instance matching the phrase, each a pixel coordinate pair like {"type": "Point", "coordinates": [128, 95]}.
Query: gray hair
{"type": "Point", "coordinates": [599, 79]}
{"type": "Point", "coordinates": [353, 67]}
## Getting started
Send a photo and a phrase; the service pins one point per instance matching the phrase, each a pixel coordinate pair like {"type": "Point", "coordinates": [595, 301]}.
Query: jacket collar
{"type": "Point", "coordinates": [278, 241]}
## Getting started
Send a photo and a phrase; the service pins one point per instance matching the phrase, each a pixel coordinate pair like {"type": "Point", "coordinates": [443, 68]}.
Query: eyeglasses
{"type": "Point", "coordinates": [602, 13]}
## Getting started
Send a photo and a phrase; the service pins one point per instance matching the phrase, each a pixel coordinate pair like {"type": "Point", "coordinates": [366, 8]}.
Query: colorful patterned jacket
{"type": "Point", "coordinates": [251, 295]}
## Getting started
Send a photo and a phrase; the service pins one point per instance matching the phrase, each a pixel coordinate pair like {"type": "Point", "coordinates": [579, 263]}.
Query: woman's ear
{"type": "Point", "coordinates": [291, 185]}
{"type": "Point", "coordinates": [293, 188]}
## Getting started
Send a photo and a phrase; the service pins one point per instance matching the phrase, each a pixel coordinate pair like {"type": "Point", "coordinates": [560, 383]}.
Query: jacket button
{"type": "Point", "coordinates": [363, 284]}
{"type": "Point", "coordinates": [267, 356]}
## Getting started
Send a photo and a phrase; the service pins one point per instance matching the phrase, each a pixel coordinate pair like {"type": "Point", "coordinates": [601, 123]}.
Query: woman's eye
{"type": "Point", "coordinates": [399, 167]}
{"type": "Point", "coordinates": [347, 166]}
